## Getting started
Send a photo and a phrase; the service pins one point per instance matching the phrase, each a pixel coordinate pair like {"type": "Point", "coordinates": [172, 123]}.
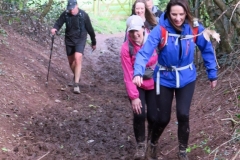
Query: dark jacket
{"type": "Point", "coordinates": [76, 31]}
{"type": "Point", "coordinates": [157, 13]}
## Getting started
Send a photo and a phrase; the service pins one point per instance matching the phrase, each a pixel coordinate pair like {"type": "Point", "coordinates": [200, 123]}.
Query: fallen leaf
{"type": "Point", "coordinates": [63, 89]}
{"type": "Point", "coordinates": [57, 101]}
{"type": "Point", "coordinates": [75, 111]}
{"type": "Point", "coordinates": [92, 106]}
{"type": "Point", "coordinates": [4, 149]}
{"type": "Point", "coordinates": [90, 141]}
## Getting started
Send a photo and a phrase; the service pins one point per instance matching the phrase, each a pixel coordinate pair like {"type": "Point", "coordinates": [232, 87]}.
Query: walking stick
{"type": "Point", "coordinates": [50, 60]}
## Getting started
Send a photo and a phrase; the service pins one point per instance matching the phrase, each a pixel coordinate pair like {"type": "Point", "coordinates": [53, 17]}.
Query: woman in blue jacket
{"type": "Point", "coordinates": [175, 71]}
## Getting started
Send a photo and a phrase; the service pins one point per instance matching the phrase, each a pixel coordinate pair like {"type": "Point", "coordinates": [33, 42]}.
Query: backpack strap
{"type": "Point", "coordinates": [68, 20]}
{"type": "Point", "coordinates": [164, 37]}
{"type": "Point", "coordinates": [81, 20]}
{"type": "Point", "coordinates": [131, 48]}
{"type": "Point", "coordinates": [195, 29]}
{"type": "Point", "coordinates": [195, 32]}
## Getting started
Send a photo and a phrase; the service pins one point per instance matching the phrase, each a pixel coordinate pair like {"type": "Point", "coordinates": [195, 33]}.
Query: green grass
{"type": "Point", "coordinates": [107, 25]}
{"type": "Point", "coordinates": [104, 22]}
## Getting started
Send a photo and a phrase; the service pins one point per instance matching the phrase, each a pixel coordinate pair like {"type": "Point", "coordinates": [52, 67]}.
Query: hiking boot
{"type": "Point", "coordinates": [151, 153]}
{"type": "Point", "coordinates": [76, 88]}
{"type": "Point", "coordinates": [182, 155]}
{"type": "Point", "coordinates": [70, 84]}
{"type": "Point", "coordinates": [140, 153]}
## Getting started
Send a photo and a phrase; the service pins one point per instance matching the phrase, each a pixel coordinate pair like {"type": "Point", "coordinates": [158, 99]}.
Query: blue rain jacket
{"type": "Point", "coordinates": [175, 55]}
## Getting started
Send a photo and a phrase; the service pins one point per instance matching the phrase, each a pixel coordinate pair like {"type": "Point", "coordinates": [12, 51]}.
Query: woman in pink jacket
{"type": "Point", "coordinates": [142, 96]}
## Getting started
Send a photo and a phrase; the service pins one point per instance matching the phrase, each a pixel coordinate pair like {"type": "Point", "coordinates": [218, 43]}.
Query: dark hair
{"type": "Point", "coordinates": [148, 14]}
{"type": "Point", "coordinates": [184, 4]}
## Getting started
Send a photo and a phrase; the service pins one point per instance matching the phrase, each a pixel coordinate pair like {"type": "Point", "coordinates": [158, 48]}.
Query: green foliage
{"type": "Point", "coordinates": [34, 8]}
{"type": "Point", "coordinates": [238, 115]}
{"type": "Point", "coordinates": [204, 16]}
{"type": "Point", "coordinates": [3, 32]}
{"type": "Point", "coordinates": [14, 4]}
{"type": "Point", "coordinates": [202, 145]}
{"type": "Point", "coordinates": [54, 13]}
{"type": "Point", "coordinates": [207, 149]}
{"type": "Point", "coordinates": [162, 4]}
{"type": "Point", "coordinates": [107, 25]}
{"type": "Point", "coordinates": [2, 41]}
{"type": "Point", "coordinates": [189, 149]}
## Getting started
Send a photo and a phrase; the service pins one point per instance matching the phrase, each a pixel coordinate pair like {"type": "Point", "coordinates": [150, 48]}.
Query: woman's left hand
{"type": "Point", "coordinates": [213, 84]}
{"type": "Point", "coordinates": [138, 80]}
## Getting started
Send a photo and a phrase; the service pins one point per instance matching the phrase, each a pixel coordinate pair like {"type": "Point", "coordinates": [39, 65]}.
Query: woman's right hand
{"type": "Point", "coordinates": [138, 80]}
{"type": "Point", "coordinates": [53, 31]}
{"type": "Point", "coordinates": [136, 105]}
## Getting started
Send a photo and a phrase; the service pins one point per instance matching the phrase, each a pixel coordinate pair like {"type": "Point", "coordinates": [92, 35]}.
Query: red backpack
{"type": "Point", "coordinates": [165, 36]}
{"type": "Point", "coordinates": [163, 40]}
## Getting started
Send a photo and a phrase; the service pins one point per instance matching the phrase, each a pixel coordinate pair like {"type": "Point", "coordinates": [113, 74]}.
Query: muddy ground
{"type": "Point", "coordinates": [40, 122]}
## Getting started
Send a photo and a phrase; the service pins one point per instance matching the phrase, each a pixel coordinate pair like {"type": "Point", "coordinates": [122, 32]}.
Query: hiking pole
{"type": "Point", "coordinates": [46, 83]}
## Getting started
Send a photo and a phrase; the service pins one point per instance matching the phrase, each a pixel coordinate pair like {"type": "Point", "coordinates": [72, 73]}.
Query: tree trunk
{"type": "Point", "coordinates": [214, 14]}
{"type": "Point", "coordinates": [46, 10]}
{"type": "Point", "coordinates": [197, 8]}
{"type": "Point", "coordinates": [228, 14]}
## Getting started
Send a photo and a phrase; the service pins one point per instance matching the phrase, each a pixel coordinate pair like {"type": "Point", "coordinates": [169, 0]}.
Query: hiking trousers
{"type": "Point", "coordinates": [148, 111]}
{"type": "Point", "coordinates": [164, 106]}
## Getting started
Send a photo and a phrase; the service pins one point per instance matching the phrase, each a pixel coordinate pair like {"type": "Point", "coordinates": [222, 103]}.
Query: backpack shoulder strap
{"type": "Point", "coordinates": [131, 48]}
{"type": "Point", "coordinates": [195, 28]}
{"type": "Point", "coordinates": [81, 20]}
{"type": "Point", "coordinates": [195, 32]}
{"type": "Point", "coordinates": [164, 37]}
{"type": "Point", "coordinates": [67, 18]}
{"type": "Point", "coordinates": [81, 14]}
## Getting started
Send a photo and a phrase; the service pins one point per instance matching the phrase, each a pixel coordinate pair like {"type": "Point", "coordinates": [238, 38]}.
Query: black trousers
{"type": "Point", "coordinates": [148, 111]}
{"type": "Point", "coordinates": [164, 106]}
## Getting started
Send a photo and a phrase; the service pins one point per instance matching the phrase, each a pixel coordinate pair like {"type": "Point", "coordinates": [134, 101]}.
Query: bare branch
{"type": "Point", "coordinates": [234, 10]}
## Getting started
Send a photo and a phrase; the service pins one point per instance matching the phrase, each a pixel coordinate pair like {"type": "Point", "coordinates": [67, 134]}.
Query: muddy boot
{"type": "Point", "coordinates": [151, 152]}
{"type": "Point", "coordinates": [182, 155]}
{"type": "Point", "coordinates": [76, 88]}
{"type": "Point", "coordinates": [140, 153]}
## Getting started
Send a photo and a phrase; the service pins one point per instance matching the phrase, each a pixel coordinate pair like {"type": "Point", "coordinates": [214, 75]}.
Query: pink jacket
{"type": "Point", "coordinates": [127, 62]}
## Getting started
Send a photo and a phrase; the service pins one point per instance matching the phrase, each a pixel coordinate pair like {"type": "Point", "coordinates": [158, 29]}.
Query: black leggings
{"type": "Point", "coordinates": [164, 106]}
{"type": "Point", "coordinates": [148, 99]}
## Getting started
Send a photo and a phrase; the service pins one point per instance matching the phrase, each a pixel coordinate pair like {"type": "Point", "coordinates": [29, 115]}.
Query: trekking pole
{"type": "Point", "coordinates": [50, 60]}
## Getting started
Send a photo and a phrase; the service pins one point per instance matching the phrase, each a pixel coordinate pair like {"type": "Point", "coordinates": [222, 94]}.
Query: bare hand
{"type": "Point", "coordinates": [213, 84]}
{"type": "Point", "coordinates": [53, 31]}
{"type": "Point", "coordinates": [136, 106]}
{"type": "Point", "coordinates": [138, 80]}
{"type": "Point", "coordinates": [93, 47]}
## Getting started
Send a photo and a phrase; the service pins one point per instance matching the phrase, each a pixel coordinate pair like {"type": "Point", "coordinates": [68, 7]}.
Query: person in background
{"type": "Point", "coordinates": [155, 10]}
{"type": "Point", "coordinates": [175, 71]}
{"type": "Point", "coordinates": [142, 97]}
{"type": "Point", "coordinates": [78, 25]}
{"type": "Point", "coordinates": [140, 8]}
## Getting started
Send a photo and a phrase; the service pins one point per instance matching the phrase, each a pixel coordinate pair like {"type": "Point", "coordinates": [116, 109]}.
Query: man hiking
{"type": "Point", "coordinates": [78, 25]}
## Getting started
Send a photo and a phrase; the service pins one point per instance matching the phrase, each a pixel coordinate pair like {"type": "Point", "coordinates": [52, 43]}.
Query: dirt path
{"type": "Point", "coordinates": [52, 123]}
